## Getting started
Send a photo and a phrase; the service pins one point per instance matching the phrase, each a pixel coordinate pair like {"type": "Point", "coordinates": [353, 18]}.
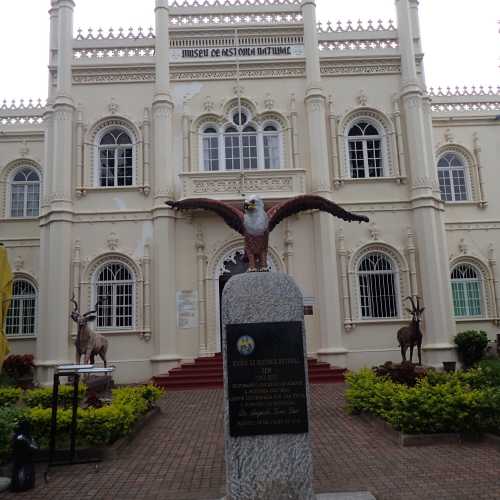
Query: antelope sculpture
{"type": "Point", "coordinates": [88, 342]}
{"type": "Point", "coordinates": [411, 335]}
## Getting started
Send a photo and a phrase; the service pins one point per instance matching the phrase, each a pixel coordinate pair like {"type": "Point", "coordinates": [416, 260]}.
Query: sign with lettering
{"type": "Point", "coordinates": [196, 53]}
{"type": "Point", "coordinates": [187, 308]}
{"type": "Point", "coordinates": [266, 379]}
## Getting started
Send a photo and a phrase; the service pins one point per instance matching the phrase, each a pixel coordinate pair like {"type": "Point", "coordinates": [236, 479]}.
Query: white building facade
{"type": "Point", "coordinates": [223, 101]}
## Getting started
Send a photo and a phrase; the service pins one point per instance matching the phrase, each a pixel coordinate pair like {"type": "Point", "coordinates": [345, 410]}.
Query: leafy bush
{"type": "Point", "coordinates": [403, 373]}
{"type": "Point", "coordinates": [467, 402]}
{"type": "Point", "coordinates": [18, 365]}
{"type": "Point", "coordinates": [9, 417]}
{"type": "Point", "coordinates": [43, 397]}
{"type": "Point", "coordinates": [9, 395]}
{"type": "Point", "coordinates": [471, 346]}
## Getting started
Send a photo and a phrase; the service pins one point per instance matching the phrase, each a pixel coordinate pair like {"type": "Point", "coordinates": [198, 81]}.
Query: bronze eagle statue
{"type": "Point", "coordinates": [255, 224]}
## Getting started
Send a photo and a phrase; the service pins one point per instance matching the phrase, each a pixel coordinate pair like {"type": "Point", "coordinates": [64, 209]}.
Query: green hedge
{"type": "Point", "coordinates": [9, 395]}
{"type": "Point", "coordinates": [43, 397]}
{"type": "Point", "coordinates": [456, 402]}
{"type": "Point", "coordinates": [9, 416]}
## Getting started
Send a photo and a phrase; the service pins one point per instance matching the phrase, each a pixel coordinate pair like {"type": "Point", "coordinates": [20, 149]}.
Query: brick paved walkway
{"type": "Point", "coordinates": [180, 456]}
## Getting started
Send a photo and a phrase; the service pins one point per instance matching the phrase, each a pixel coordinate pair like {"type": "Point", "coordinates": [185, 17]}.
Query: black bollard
{"type": "Point", "coordinates": [23, 449]}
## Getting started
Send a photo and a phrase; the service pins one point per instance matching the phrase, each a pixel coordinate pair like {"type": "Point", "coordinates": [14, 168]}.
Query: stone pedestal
{"type": "Point", "coordinates": [268, 454]}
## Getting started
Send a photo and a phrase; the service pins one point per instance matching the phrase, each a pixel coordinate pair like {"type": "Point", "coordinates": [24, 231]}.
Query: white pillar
{"type": "Point", "coordinates": [164, 298]}
{"type": "Point", "coordinates": [428, 213]}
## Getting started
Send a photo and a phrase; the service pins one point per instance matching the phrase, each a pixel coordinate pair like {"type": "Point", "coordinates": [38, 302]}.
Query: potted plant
{"type": "Point", "coordinates": [21, 369]}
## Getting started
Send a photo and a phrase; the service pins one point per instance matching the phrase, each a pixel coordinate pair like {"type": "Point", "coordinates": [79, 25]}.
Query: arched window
{"type": "Point", "coordinates": [241, 143]}
{"type": "Point", "coordinates": [116, 158]}
{"type": "Point", "coordinates": [114, 292]}
{"type": "Point", "coordinates": [271, 140]}
{"type": "Point", "coordinates": [210, 149]}
{"type": "Point", "coordinates": [452, 177]}
{"type": "Point", "coordinates": [364, 144]}
{"type": "Point", "coordinates": [377, 287]}
{"type": "Point", "coordinates": [25, 193]}
{"type": "Point", "coordinates": [466, 286]}
{"type": "Point", "coordinates": [21, 318]}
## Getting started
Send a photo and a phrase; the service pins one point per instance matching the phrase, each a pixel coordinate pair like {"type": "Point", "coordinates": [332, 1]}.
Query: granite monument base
{"type": "Point", "coordinates": [267, 446]}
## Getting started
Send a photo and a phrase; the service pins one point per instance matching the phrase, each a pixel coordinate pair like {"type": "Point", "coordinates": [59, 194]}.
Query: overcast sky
{"type": "Point", "coordinates": [460, 38]}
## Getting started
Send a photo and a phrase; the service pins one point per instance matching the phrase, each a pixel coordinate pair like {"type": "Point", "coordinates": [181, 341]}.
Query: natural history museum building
{"type": "Point", "coordinates": [224, 100]}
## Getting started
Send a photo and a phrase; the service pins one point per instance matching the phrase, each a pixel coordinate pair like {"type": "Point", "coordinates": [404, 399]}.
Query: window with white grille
{"type": "Point", "coordinates": [114, 292]}
{"type": "Point", "coordinates": [241, 143]}
{"type": "Point", "coordinates": [116, 159]}
{"type": "Point", "coordinates": [377, 287]}
{"type": "Point", "coordinates": [25, 193]}
{"type": "Point", "coordinates": [466, 286]}
{"type": "Point", "coordinates": [364, 144]}
{"type": "Point", "coordinates": [21, 318]}
{"type": "Point", "coordinates": [452, 178]}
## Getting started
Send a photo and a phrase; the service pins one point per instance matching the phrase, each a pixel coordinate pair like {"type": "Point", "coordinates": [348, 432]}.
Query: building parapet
{"type": "Point", "coordinates": [22, 114]}
{"type": "Point", "coordinates": [460, 100]}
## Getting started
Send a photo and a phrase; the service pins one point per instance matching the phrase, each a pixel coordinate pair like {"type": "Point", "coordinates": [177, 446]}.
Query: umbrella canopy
{"type": "Point", "coordinates": [5, 298]}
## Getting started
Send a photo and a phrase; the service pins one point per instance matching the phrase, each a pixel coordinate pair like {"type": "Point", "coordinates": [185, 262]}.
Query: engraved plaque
{"type": "Point", "coordinates": [266, 379]}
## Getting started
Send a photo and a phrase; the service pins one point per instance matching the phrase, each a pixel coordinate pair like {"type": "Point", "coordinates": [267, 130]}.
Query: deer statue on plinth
{"type": "Point", "coordinates": [411, 335]}
{"type": "Point", "coordinates": [88, 343]}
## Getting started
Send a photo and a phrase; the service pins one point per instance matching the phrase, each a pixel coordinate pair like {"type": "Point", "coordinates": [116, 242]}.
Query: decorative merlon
{"type": "Point", "coordinates": [328, 27]}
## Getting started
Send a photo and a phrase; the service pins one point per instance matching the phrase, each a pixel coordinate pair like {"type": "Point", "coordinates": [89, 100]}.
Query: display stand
{"type": "Point", "coordinates": [74, 371]}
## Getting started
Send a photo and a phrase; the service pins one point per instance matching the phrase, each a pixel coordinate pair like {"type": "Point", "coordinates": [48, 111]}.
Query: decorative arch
{"type": "Point", "coordinates": [97, 132]}
{"type": "Point", "coordinates": [233, 103]}
{"type": "Point", "coordinates": [7, 176]}
{"type": "Point", "coordinates": [486, 282]}
{"type": "Point", "coordinates": [90, 293]}
{"type": "Point", "coordinates": [384, 126]}
{"type": "Point", "coordinates": [401, 275]}
{"type": "Point", "coordinates": [22, 317]}
{"type": "Point", "coordinates": [215, 268]}
{"type": "Point", "coordinates": [470, 167]}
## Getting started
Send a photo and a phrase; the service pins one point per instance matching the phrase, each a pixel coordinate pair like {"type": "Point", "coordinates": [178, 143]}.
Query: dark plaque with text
{"type": "Point", "coordinates": [266, 379]}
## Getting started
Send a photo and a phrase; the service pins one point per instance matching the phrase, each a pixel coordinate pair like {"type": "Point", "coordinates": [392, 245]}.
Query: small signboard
{"type": "Point", "coordinates": [266, 379]}
{"type": "Point", "coordinates": [187, 308]}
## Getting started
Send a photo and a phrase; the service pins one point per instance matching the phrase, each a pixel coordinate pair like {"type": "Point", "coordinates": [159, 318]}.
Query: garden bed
{"type": "Point", "coordinates": [444, 407]}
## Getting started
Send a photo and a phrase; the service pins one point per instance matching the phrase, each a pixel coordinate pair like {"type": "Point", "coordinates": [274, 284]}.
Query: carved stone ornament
{"type": "Point", "coordinates": [19, 263]}
{"type": "Point", "coordinates": [374, 231]}
{"type": "Point", "coordinates": [463, 248]}
{"type": "Point", "coordinates": [24, 149]}
{"type": "Point", "coordinates": [268, 102]}
{"type": "Point", "coordinates": [208, 104]}
{"type": "Point", "coordinates": [113, 107]}
{"type": "Point", "coordinates": [449, 136]}
{"type": "Point", "coordinates": [362, 98]}
{"type": "Point", "coordinates": [112, 241]}
{"type": "Point", "coordinates": [238, 90]}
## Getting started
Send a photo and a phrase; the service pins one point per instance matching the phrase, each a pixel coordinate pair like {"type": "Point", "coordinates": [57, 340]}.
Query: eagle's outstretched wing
{"type": "Point", "coordinates": [309, 202]}
{"type": "Point", "coordinates": [232, 216]}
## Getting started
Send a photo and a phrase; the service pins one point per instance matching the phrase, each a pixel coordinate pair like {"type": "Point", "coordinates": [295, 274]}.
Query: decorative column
{"type": "Point", "coordinates": [288, 244]}
{"type": "Point", "coordinates": [477, 153]}
{"type": "Point", "coordinates": [202, 302]}
{"type": "Point", "coordinates": [164, 296]}
{"type": "Point", "coordinates": [294, 132]}
{"type": "Point", "coordinates": [146, 152]}
{"type": "Point", "coordinates": [412, 262]}
{"type": "Point", "coordinates": [439, 326]}
{"type": "Point", "coordinates": [492, 261]}
{"type": "Point", "coordinates": [328, 296]}
{"type": "Point", "coordinates": [400, 147]}
{"type": "Point", "coordinates": [146, 265]}
{"type": "Point", "coordinates": [54, 345]}
{"type": "Point", "coordinates": [80, 181]}
{"type": "Point", "coordinates": [346, 296]}
{"type": "Point", "coordinates": [332, 118]}
{"type": "Point", "coordinates": [77, 278]}
{"type": "Point", "coordinates": [186, 125]}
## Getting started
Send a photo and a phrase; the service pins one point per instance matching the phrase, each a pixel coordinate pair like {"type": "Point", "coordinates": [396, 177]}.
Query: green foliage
{"type": "Point", "coordinates": [9, 395]}
{"type": "Point", "coordinates": [466, 402]}
{"type": "Point", "coordinates": [471, 346]}
{"type": "Point", "coordinates": [43, 397]}
{"type": "Point", "coordinates": [9, 417]}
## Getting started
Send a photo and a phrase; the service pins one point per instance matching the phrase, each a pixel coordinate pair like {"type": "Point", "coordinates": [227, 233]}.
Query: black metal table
{"type": "Point", "coordinates": [74, 371]}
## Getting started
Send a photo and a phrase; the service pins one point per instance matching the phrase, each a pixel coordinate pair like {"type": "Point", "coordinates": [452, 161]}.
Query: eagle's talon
{"type": "Point", "coordinates": [251, 270]}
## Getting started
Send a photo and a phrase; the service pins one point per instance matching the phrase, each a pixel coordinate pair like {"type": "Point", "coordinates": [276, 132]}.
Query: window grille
{"type": "Point", "coordinates": [377, 287]}
{"type": "Point", "coordinates": [452, 180]}
{"type": "Point", "coordinates": [115, 296]}
{"type": "Point", "coordinates": [244, 145]}
{"type": "Point", "coordinates": [365, 151]}
{"type": "Point", "coordinates": [466, 288]}
{"type": "Point", "coordinates": [25, 193]}
{"type": "Point", "coordinates": [116, 159]}
{"type": "Point", "coordinates": [21, 317]}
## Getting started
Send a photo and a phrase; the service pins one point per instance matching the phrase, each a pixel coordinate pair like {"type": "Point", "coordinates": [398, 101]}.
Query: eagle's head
{"type": "Point", "coordinates": [253, 203]}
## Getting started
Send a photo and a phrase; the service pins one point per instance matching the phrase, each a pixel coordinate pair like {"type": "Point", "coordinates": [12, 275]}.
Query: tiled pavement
{"type": "Point", "coordinates": [180, 455]}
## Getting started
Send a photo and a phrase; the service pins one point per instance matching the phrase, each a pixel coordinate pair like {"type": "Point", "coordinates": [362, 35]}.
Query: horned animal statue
{"type": "Point", "coordinates": [411, 335]}
{"type": "Point", "coordinates": [88, 342]}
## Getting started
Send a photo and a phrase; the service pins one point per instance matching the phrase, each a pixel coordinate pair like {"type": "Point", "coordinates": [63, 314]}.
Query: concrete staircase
{"type": "Point", "coordinates": [207, 373]}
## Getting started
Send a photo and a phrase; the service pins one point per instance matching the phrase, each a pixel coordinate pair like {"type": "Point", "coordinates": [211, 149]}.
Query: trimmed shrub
{"type": "Point", "coordinates": [471, 346]}
{"type": "Point", "coordinates": [43, 397]}
{"type": "Point", "coordinates": [9, 395]}
{"type": "Point", "coordinates": [9, 417]}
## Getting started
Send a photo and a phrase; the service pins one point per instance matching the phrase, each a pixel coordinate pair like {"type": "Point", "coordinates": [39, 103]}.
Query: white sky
{"type": "Point", "coordinates": [461, 39]}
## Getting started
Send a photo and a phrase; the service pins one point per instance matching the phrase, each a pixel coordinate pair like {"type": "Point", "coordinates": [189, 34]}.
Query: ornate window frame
{"type": "Point", "coordinates": [29, 279]}
{"type": "Point", "coordinates": [470, 169]}
{"type": "Point", "coordinates": [95, 136]}
{"type": "Point", "coordinates": [386, 133]}
{"type": "Point", "coordinates": [222, 121]}
{"type": "Point", "coordinates": [486, 291]}
{"type": "Point", "coordinates": [90, 292]}
{"type": "Point", "coordinates": [401, 281]}
{"type": "Point", "coordinates": [6, 193]}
